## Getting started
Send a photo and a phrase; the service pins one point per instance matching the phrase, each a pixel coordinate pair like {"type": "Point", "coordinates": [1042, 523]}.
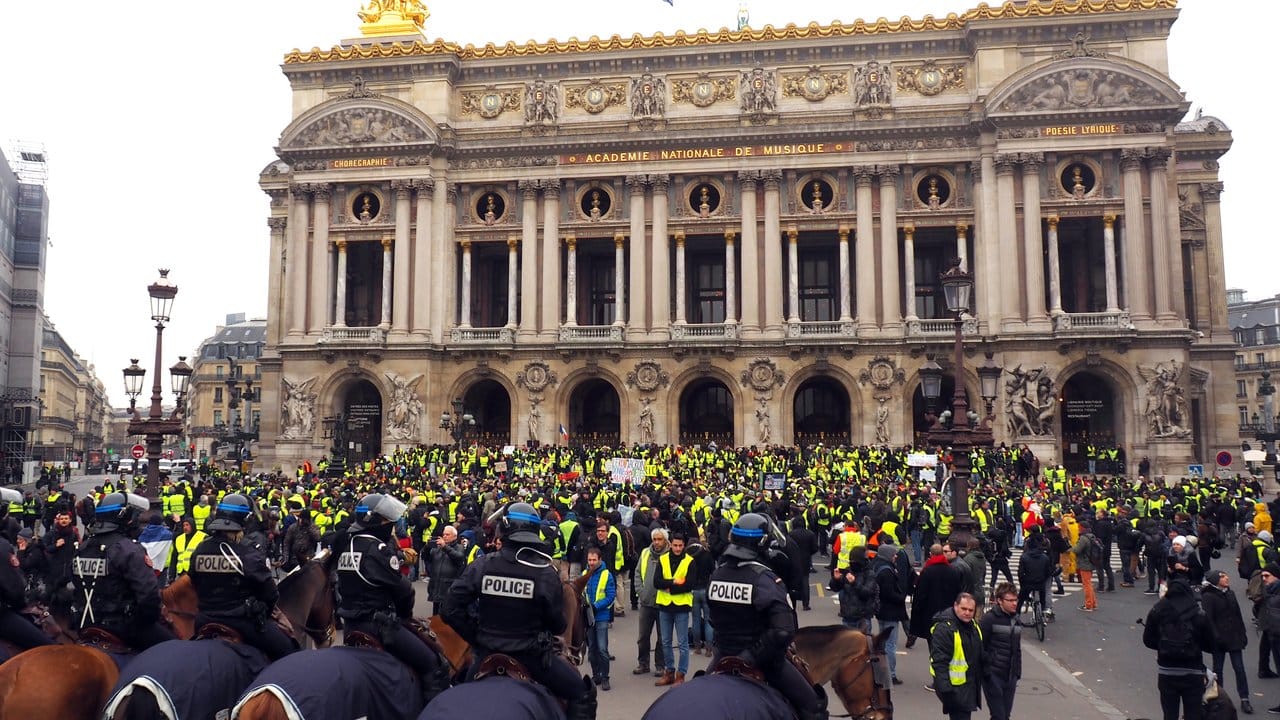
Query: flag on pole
{"type": "Point", "coordinates": [564, 433]}
{"type": "Point", "coordinates": [669, 2]}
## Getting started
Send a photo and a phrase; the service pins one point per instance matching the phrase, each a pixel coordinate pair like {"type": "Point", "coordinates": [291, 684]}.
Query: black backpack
{"type": "Point", "coordinates": [1153, 543]}
{"type": "Point", "coordinates": [1178, 636]}
{"type": "Point", "coordinates": [1095, 552]}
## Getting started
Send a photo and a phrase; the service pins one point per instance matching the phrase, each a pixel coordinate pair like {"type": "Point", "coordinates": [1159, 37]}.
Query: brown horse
{"type": "Point", "coordinates": [73, 681]}
{"type": "Point", "coordinates": [854, 664]}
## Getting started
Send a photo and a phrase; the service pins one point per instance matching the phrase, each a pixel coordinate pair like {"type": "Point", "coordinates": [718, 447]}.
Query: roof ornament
{"type": "Point", "coordinates": [358, 89]}
{"type": "Point", "coordinates": [1080, 48]}
{"type": "Point", "coordinates": [384, 18]}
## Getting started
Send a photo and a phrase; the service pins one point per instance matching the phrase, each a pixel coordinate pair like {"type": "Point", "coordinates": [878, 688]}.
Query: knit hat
{"type": "Point", "coordinates": [1272, 568]}
{"type": "Point", "coordinates": [1265, 536]}
{"type": "Point", "coordinates": [1249, 526]}
{"type": "Point", "coordinates": [1180, 540]}
{"type": "Point", "coordinates": [886, 551]}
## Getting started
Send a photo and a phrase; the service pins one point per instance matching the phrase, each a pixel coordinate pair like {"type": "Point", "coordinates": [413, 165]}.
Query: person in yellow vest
{"type": "Point", "coordinates": [845, 542]}
{"type": "Point", "coordinates": [184, 545]}
{"type": "Point", "coordinates": [601, 590]}
{"type": "Point", "coordinates": [200, 512]}
{"type": "Point", "coordinates": [675, 603]}
{"type": "Point", "coordinates": [955, 658]}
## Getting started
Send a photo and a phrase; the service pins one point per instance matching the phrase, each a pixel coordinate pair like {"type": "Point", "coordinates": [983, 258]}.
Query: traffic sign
{"type": "Point", "coordinates": [1224, 459]}
{"type": "Point", "coordinates": [1195, 471]}
{"type": "Point", "coordinates": [138, 452]}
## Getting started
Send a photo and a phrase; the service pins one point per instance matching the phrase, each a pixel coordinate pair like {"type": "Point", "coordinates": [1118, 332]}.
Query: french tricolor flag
{"type": "Point", "coordinates": [564, 433]}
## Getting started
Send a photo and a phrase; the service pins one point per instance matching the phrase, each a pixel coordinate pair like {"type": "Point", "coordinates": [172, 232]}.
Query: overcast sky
{"type": "Point", "coordinates": [157, 118]}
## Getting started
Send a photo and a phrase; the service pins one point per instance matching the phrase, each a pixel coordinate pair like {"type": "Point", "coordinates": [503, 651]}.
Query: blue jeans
{"type": "Point", "coordinates": [598, 640]}
{"type": "Point", "coordinates": [679, 619]}
{"type": "Point", "coordinates": [702, 632]}
{"type": "Point", "coordinates": [891, 645]}
{"type": "Point", "coordinates": [916, 549]}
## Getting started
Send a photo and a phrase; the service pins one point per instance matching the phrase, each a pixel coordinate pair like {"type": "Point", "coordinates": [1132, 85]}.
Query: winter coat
{"type": "Point", "coordinates": [1071, 532]}
{"type": "Point", "coordinates": [1034, 568]}
{"type": "Point", "coordinates": [955, 698]}
{"type": "Point", "coordinates": [1177, 601]}
{"type": "Point", "coordinates": [858, 599]}
{"type": "Point", "coordinates": [1001, 645]}
{"type": "Point", "coordinates": [936, 590]}
{"type": "Point", "coordinates": [1269, 613]}
{"type": "Point", "coordinates": [445, 564]}
{"type": "Point", "coordinates": [1224, 614]}
{"type": "Point", "coordinates": [893, 592]}
{"type": "Point", "coordinates": [975, 565]}
{"type": "Point", "coordinates": [1261, 518]}
{"type": "Point", "coordinates": [1080, 553]}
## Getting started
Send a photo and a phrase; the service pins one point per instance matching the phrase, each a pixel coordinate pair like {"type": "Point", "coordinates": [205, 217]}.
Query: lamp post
{"type": "Point", "coordinates": [334, 428]}
{"type": "Point", "coordinates": [234, 432]}
{"type": "Point", "coordinates": [1266, 433]}
{"type": "Point", "coordinates": [458, 423]}
{"type": "Point", "coordinates": [155, 426]}
{"type": "Point", "coordinates": [959, 428]}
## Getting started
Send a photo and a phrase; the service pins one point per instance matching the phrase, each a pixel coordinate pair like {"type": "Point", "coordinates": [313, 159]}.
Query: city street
{"type": "Point", "coordinates": [1091, 665]}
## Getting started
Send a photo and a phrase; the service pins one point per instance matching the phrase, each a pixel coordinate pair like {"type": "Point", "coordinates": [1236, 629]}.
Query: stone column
{"type": "Point", "coordinates": [465, 316]}
{"type": "Point", "coordinates": [1137, 261]}
{"type": "Point", "coordinates": [385, 324]}
{"type": "Point", "coordinates": [1166, 263]}
{"type": "Point", "coordinates": [680, 289]}
{"type": "Point", "coordinates": [1033, 239]}
{"type": "Point", "coordinates": [986, 246]}
{"type": "Point", "coordinates": [846, 314]}
{"type": "Point", "coordinates": [637, 300]}
{"type": "Point", "coordinates": [571, 280]}
{"type": "Point", "coordinates": [889, 296]}
{"type": "Point", "coordinates": [660, 312]}
{"type": "Point", "coordinates": [865, 250]}
{"type": "Point", "coordinates": [296, 274]}
{"type": "Point", "coordinates": [1211, 198]}
{"type": "Point", "coordinates": [1109, 262]}
{"type": "Point", "coordinates": [772, 254]}
{"type": "Point", "coordinates": [445, 291]}
{"type": "Point", "coordinates": [619, 278]}
{"type": "Point", "coordinates": [909, 270]}
{"type": "Point", "coordinates": [340, 306]}
{"type": "Point", "coordinates": [551, 268]}
{"type": "Point", "coordinates": [750, 254]}
{"type": "Point", "coordinates": [730, 280]}
{"type": "Point", "coordinates": [277, 299]}
{"type": "Point", "coordinates": [513, 274]}
{"type": "Point", "coordinates": [528, 260]}
{"type": "Point", "coordinates": [1007, 232]}
{"type": "Point", "coordinates": [400, 265]}
{"type": "Point", "coordinates": [321, 288]}
{"type": "Point", "coordinates": [962, 252]}
{"type": "Point", "coordinates": [1055, 269]}
{"type": "Point", "coordinates": [793, 274]}
{"type": "Point", "coordinates": [424, 276]}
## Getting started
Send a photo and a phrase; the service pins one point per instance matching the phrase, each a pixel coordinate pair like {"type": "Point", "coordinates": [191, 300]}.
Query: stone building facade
{"type": "Point", "coordinates": [737, 236]}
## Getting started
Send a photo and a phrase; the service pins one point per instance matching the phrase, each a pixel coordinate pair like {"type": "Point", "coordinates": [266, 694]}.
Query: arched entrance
{"type": "Point", "coordinates": [821, 412]}
{"type": "Point", "coordinates": [489, 403]}
{"type": "Point", "coordinates": [706, 414]}
{"type": "Point", "coordinates": [595, 414]}
{"type": "Point", "coordinates": [1089, 406]}
{"type": "Point", "coordinates": [361, 405]}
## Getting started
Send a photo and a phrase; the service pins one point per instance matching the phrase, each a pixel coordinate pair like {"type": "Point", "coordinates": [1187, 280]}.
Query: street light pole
{"type": "Point", "coordinates": [458, 423]}
{"type": "Point", "coordinates": [1268, 436]}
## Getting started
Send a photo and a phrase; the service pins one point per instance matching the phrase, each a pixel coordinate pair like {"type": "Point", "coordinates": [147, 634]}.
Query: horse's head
{"type": "Point", "coordinates": [179, 605]}
{"type": "Point", "coordinates": [307, 599]}
{"type": "Point", "coordinates": [574, 640]}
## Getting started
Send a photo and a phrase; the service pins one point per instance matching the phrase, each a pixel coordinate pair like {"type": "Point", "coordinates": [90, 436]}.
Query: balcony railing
{"type": "Point", "coordinates": [824, 329]}
{"type": "Point", "coordinates": [1092, 322]}
{"type": "Point", "coordinates": [1265, 365]}
{"type": "Point", "coordinates": [591, 334]}
{"type": "Point", "coordinates": [702, 332]}
{"type": "Point", "coordinates": [941, 327]}
{"type": "Point", "coordinates": [483, 336]}
{"type": "Point", "coordinates": [353, 336]}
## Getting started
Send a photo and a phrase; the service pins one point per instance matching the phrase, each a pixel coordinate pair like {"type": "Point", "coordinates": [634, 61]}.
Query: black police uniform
{"type": "Point", "coordinates": [753, 618]}
{"type": "Point", "coordinates": [521, 610]}
{"type": "Point", "coordinates": [375, 597]}
{"type": "Point", "coordinates": [13, 587]}
{"type": "Point", "coordinates": [117, 591]}
{"type": "Point", "coordinates": [235, 588]}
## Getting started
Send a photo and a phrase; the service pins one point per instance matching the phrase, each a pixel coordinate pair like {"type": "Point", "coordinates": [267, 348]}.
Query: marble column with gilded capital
{"type": "Point", "coordinates": [571, 280]}
{"type": "Point", "coordinates": [340, 302]}
{"type": "Point", "coordinates": [793, 275]}
{"type": "Point", "coordinates": [1109, 262]}
{"type": "Point", "coordinates": [444, 306]}
{"type": "Point", "coordinates": [619, 279]}
{"type": "Point", "coordinates": [890, 298]}
{"type": "Point", "coordinates": [962, 250]}
{"type": "Point", "coordinates": [424, 279]}
{"type": "Point", "coordinates": [551, 267]}
{"type": "Point", "coordinates": [321, 261]}
{"type": "Point", "coordinates": [1211, 199]}
{"type": "Point", "coordinates": [279, 308]}
{"type": "Point", "coordinates": [986, 244]}
{"type": "Point", "coordinates": [1033, 241]}
{"type": "Point", "coordinates": [1055, 268]}
{"type": "Point", "coordinates": [1166, 263]}
{"type": "Point", "coordinates": [1007, 232]}
{"type": "Point", "coordinates": [1137, 258]}
{"type": "Point", "coordinates": [661, 264]}
{"type": "Point", "coordinates": [865, 249]}
{"type": "Point", "coordinates": [637, 299]}
{"type": "Point", "coordinates": [846, 276]}
{"type": "Point", "coordinates": [513, 277]}
{"type": "Point", "coordinates": [730, 279]}
{"type": "Point", "coordinates": [909, 270]}
{"type": "Point", "coordinates": [750, 249]}
{"type": "Point", "coordinates": [296, 272]}
{"type": "Point", "coordinates": [772, 254]}
{"type": "Point", "coordinates": [400, 288]}
{"type": "Point", "coordinates": [528, 259]}
{"type": "Point", "coordinates": [387, 264]}
{"type": "Point", "coordinates": [464, 317]}
{"type": "Point", "coordinates": [680, 279]}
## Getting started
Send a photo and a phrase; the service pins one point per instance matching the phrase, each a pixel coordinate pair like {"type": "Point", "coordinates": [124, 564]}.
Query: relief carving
{"type": "Point", "coordinates": [404, 416]}
{"type": "Point", "coordinates": [1167, 411]}
{"type": "Point", "coordinates": [1030, 402]}
{"type": "Point", "coordinates": [359, 126]}
{"type": "Point", "coordinates": [298, 409]}
{"type": "Point", "coordinates": [1081, 88]}
{"type": "Point", "coordinates": [648, 96]}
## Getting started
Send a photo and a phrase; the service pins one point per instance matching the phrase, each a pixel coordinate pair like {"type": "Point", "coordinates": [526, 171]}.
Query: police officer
{"type": "Point", "coordinates": [13, 586]}
{"type": "Point", "coordinates": [233, 581]}
{"type": "Point", "coordinates": [116, 589]}
{"type": "Point", "coordinates": [752, 615]}
{"type": "Point", "coordinates": [520, 602]}
{"type": "Point", "coordinates": [375, 597]}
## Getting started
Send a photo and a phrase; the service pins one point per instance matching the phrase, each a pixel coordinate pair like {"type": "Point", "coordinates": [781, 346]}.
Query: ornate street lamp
{"type": "Point", "coordinates": [458, 423]}
{"type": "Point", "coordinates": [156, 426]}
{"type": "Point", "coordinates": [1266, 433]}
{"type": "Point", "coordinates": [334, 427]}
{"type": "Point", "coordinates": [989, 381]}
{"type": "Point", "coordinates": [235, 432]}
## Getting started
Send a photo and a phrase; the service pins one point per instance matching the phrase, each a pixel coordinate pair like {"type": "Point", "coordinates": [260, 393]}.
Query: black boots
{"type": "Point", "coordinates": [434, 683]}
{"type": "Point", "coordinates": [585, 707]}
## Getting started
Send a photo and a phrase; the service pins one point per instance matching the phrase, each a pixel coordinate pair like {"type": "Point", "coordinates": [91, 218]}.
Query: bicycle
{"type": "Point", "coordinates": [1037, 620]}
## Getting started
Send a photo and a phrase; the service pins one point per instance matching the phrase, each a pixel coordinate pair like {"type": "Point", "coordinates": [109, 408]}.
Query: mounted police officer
{"type": "Point", "coordinates": [520, 602]}
{"type": "Point", "coordinates": [116, 589]}
{"type": "Point", "coordinates": [753, 617]}
{"type": "Point", "coordinates": [233, 581]}
{"type": "Point", "coordinates": [13, 586]}
{"type": "Point", "coordinates": [375, 597]}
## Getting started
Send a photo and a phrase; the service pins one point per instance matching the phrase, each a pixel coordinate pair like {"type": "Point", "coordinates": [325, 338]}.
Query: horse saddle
{"type": "Point", "coordinates": [355, 638]}
{"type": "Point", "coordinates": [104, 640]}
{"type": "Point", "coordinates": [39, 615]}
{"type": "Point", "coordinates": [218, 631]}
{"type": "Point", "coordinates": [504, 666]}
{"type": "Point", "coordinates": [734, 665]}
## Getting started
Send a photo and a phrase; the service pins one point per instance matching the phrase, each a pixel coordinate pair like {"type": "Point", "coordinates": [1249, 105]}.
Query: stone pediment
{"type": "Point", "coordinates": [1085, 84]}
{"type": "Point", "coordinates": [358, 122]}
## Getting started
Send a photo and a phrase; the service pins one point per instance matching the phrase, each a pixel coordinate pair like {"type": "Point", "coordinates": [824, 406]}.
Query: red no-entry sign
{"type": "Point", "coordinates": [138, 452]}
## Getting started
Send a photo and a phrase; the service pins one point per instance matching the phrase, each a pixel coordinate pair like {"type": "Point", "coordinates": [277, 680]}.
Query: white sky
{"type": "Point", "coordinates": [157, 118]}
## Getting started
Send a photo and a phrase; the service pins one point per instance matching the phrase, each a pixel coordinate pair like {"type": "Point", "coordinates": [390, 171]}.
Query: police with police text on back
{"type": "Point", "coordinates": [14, 627]}
{"type": "Point", "coordinates": [752, 615]}
{"type": "Point", "coordinates": [116, 589]}
{"type": "Point", "coordinates": [520, 602]}
{"type": "Point", "coordinates": [233, 581]}
{"type": "Point", "coordinates": [375, 597]}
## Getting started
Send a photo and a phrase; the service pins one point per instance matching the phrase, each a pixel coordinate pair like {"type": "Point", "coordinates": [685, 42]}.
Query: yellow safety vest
{"type": "Point", "coordinates": [184, 547]}
{"type": "Point", "coordinates": [958, 668]}
{"type": "Point", "coordinates": [848, 541]}
{"type": "Point", "coordinates": [665, 598]}
{"type": "Point", "coordinates": [200, 513]}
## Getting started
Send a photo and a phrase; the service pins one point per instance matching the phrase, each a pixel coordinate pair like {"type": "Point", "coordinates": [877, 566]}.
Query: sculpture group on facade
{"type": "Point", "coordinates": [1030, 402]}
{"type": "Point", "coordinates": [298, 409]}
{"type": "Point", "coordinates": [404, 417]}
{"type": "Point", "coordinates": [648, 96]}
{"type": "Point", "coordinates": [1168, 413]}
{"type": "Point", "coordinates": [871, 85]}
{"type": "Point", "coordinates": [758, 91]}
{"type": "Point", "coordinates": [645, 423]}
{"type": "Point", "coordinates": [541, 102]}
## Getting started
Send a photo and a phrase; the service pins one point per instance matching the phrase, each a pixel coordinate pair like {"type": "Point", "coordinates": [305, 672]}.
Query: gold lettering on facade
{"type": "Point", "coordinates": [1068, 130]}
{"type": "Point", "coordinates": [359, 163]}
{"type": "Point", "coordinates": [705, 153]}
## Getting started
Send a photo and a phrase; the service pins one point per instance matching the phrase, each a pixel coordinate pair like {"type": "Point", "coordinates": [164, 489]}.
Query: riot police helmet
{"type": "Point", "coordinates": [751, 537]}
{"type": "Point", "coordinates": [231, 514]}
{"type": "Point", "coordinates": [119, 511]}
{"type": "Point", "coordinates": [521, 524]}
{"type": "Point", "coordinates": [377, 509]}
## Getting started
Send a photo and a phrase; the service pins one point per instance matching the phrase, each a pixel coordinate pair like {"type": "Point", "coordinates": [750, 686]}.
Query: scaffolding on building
{"type": "Point", "coordinates": [30, 162]}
